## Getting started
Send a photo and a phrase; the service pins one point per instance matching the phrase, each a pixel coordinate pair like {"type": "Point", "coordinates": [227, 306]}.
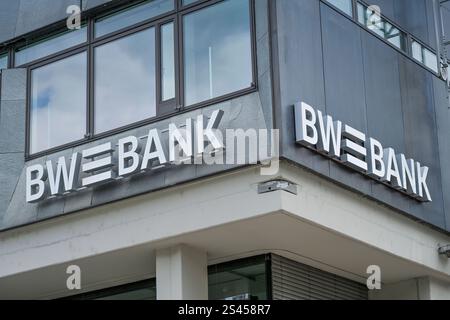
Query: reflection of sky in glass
{"type": "Point", "coordinates": [50, 46]}
{"type": "Point", "coordinates": [3, 62]}
{"type": "Point", "coordinates": [425, 56]}
{"type": "Point", "coordinates": [168, 62]}
{"type": "Point", "coordinates": [430, 60]}
{"type": "Point", "coordinates": [375, 22]}
{"type": "Point", "coordinates": [344, 5]}
{"type": "Point", "coordinates": [125, 90]}
{"type": "Point", "coordinates": [131, 16]}
{"type": "Point", "coordinates": [58, 103]}
{"type": "Point", "coordinates": [217, 51]}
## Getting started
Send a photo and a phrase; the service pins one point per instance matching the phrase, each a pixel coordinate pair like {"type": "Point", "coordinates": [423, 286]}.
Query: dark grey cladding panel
{"type": "Point", "coordinates": [446, 19]}
{"type": "Point", "coordinates": [383, 95]}
{"type": "Point", "coordinates": [18, 17]}
{"type": "Point", "coordinates": [344, 83]}
{"type": "Point", "coordinates": [363, 82]}
{"type": "Point", "coordinates": [443, 132]}
{"type": "Point", "coordinates": [9, 10]}
{"type": "Point", "coordinates": [421, 138]}
{"type": "Point", "coordinates": [35, 14]}
{"type": "Point", "coordinates": [301, 72]}
{"type": "Point", "coordinates": [416, 16]}
{"type": "Point", "coordinates": [384, 108]}
{"type": "Point", "coordinates": [89, 4]}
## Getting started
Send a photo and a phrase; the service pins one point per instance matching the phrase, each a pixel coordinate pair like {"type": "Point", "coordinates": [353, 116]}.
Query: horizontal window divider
{"type": "Point", "coordinates": [56, 57]}
{"type": "Point", "coordinates": [161, 19]}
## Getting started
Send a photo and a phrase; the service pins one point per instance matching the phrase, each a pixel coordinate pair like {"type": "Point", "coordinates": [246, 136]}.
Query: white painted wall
{"type": "Point", "coordinates": [324, 225]}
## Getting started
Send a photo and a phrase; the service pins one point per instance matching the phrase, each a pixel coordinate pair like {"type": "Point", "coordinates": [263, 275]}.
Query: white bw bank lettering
{"type": "Point", "coordinates": [366, 155]}
{"type": "Point", "coordinates": [198, 142]}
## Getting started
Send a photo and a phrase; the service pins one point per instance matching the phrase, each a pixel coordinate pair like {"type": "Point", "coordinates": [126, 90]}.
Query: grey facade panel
{"type": "Point", "coordinates": [443, 133]}
{"type": "Point", "coordinates": [365, 83]}
{"type": "Point", "coordinates": [421, 142]}
{"type": "Point", "coordinates": [342, 55]}
{"type": "Point", "coordinates": [35, 14]}
{"type": "Point", "coordinates": [301, 72]}
{"type": "Point", "coordinates": [9, 11]}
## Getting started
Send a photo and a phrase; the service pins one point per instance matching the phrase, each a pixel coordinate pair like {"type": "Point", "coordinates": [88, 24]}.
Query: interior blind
{"type": "Point", "coordinates": [295, 281]}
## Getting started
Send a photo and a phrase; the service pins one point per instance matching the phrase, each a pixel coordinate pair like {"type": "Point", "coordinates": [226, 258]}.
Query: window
{"type": "Point", "coordinates": [125, 88]}
{"type": "Point", "coordinates": [168, 62]}
{"type": "Point", "coordinates": [343, 5]}
{"type": "Point", "coordinates": [140, 291]}
{"type": "Point", "coordinates": [217, 51]}
{"type": "Point", "coordinates": [3, 61]}
{"type": "Point", "coordinates": [239, 280]}
{"type": "Point", "coordinates": [48, 46]}
{"type": "Point", "coordinates": [425, 56]}
{"type": "Point", "coordinates": [58, 103]}
{"type": "Point", "coordinates": [137, 64]}
{"type": "Point", "coordinates": [131, 16]}
{"type": "Point", "coordinates": [373, 21]}
{"type": "Point", "coordinates": [245, 279]}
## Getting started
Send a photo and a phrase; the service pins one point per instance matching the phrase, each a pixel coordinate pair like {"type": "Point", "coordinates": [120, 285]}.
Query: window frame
{"type": "Point", "coordinates": [164, 109]}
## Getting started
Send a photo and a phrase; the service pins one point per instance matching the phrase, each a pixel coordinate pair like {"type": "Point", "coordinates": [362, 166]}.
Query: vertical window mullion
{"type": "Point", "coordinates": [179, 51]}
{"type": "Point", "coordinates": [158, 69]}
{"type": "Point", "coordinates": [90, 87]}
{"type": "Point", "coordinates": [179, 91]}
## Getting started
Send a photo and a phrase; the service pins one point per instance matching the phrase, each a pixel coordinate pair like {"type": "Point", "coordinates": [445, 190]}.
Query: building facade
{"type": "Point", "coordinates": [224, 149]}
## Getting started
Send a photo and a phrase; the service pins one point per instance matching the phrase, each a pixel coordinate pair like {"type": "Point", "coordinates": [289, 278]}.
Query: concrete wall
{"type": "Point", "coordinates": [335, 65]}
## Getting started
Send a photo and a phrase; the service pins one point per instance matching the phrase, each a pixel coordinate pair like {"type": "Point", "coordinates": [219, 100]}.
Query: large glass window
{"type": "Point", "coordinates": [3, 61]}
{"type": "Point", "coordinates": [125, 81]}
{"type": "Point", "coordinates": [58, 103]}
{"type": "Point", "coordinates": [217, 51]}
{"type": "Point", "coordinates": [131, 71]}
{"type": "Point", "coordinates": [239, 280]}
{"type": "Point", "coordinates": [49, 46]}
{"type": "Point", "coordinates": [131, 16]}
{"type": "Point", "coordinates": [373, 21]}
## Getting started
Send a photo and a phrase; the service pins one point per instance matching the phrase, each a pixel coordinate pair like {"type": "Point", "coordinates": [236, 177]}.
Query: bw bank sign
{"type": "Point", "coordinates": [201, 139]}
{"type": "Point", "coordinates": [354, 149]}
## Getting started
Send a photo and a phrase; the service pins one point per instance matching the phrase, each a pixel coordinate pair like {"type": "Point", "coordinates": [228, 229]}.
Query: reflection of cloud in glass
{"type": "Point", "coordinates": [125, 90]}
{"type": "Point", "coordinates": [217, 51]}
{"type": "Point", "coordinates": [58, 103]}
{"type": "Point", "coordinates": [49, 46]}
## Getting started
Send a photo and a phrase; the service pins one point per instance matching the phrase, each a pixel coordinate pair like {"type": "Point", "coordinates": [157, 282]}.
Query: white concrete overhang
{"type": "Point", "coordinates": [323, 225]}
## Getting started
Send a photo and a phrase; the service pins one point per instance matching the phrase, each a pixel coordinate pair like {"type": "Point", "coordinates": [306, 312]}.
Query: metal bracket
{"type": "Point", "coordinates": [445, 250]}
{"type": "Point", "coordinates": [277, 185]}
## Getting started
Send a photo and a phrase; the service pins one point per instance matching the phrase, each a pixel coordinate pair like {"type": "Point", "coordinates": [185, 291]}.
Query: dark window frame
{"type": "Point", "coordinates": [111, 291]}
{"type": "Point", "coordinates": [164, 109]}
